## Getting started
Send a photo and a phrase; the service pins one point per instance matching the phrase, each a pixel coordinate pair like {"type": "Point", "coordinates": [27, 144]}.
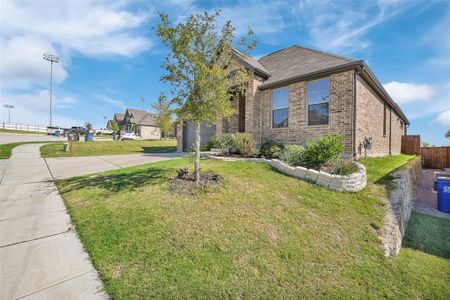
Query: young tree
{"type": "Point", "coordinates": [88, 126]}
{"type": "Point", "coordinates": [114, 126]}
{"type": "Point", "coordinates": [164, 114]}
{"type": "Point", "coordinates": [197, 69]}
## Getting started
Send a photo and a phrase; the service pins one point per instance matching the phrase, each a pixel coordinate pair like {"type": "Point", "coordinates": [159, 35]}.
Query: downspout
{"type": "Point", "coordinates": [355, 94]}
{"type": "Point", "coordinates": [390, 130]}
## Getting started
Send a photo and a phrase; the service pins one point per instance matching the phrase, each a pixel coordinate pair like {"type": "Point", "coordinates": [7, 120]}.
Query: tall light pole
{"type": "Point", "coordinates": [9, 107]}
{"type": "Point", "coordinates": [52, 59]}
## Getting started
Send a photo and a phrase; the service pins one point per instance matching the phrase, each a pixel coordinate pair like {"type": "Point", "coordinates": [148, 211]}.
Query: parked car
{"type": "Point", "coordinates": [78, 129]}
{"type": "Point", "coordinates": [51, 130]}
{"type": "Point", "coordinates": [128, 135]}
{"type": "Point", "coordinates": [103, 131]}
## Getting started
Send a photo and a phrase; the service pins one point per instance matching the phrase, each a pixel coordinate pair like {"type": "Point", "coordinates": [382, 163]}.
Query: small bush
{"type": "Point", "coordinates": [340, 167]}
{"type": "Point", "coordinates": [224, 142]}
{"type": "Point", "coordinates": [270, 149]}
{"type": "Point", "coordinates": [326, 149]}
{"type": "Point", "coordinates": [292, 154]}
{"type": "Point", "coordinates": [208, 146]}
{"type": "Point", "coordinates": [244, 144]}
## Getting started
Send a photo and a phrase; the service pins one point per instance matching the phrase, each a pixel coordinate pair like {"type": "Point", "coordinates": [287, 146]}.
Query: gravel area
{"type": "Point", "coordinates": [426, 201]}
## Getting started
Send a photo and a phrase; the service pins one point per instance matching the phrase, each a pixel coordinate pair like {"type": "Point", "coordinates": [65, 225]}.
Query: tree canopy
{"type": "Point", "coordinates": [198, 69]}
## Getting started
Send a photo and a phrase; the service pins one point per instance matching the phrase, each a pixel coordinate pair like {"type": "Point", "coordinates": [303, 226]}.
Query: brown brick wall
{"type": "Point", "coordinates": [369, 116]}
{"type": "Point", "coordinates": [369, 122]}
{"type": "Point", "coordinates": [298, 131]}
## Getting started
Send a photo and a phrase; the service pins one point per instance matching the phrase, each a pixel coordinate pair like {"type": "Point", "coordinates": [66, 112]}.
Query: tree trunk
{"type": "Point", "coordinates": [197, 152]}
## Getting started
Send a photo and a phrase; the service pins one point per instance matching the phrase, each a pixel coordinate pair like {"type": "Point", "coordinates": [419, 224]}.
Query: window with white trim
{"type": "Point", "coordinates": [318, 96]}
{"type": "Point", "coordinates": [280, 108]}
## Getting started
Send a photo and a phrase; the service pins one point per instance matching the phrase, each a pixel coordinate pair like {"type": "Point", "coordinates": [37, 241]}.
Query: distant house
{"type": "Point", "coordinates": [142, 123]}
{"type": "Point", "coordinates": [118, 118]}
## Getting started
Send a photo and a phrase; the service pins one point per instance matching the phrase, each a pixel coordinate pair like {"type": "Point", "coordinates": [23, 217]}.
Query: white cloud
{"type": "Point", "coordinates": [403, 92]}
{"type": "Point", "coordinates": [33, 108]}
{"type": "Point", "coordinates": [22, 63]}
{"type": "Point", "coordinates": [443, 118]}
{"type": "Point", "coordinates": [438, 38]}
{"type": "Point", "coordinates": [332, 25]}
{"type": "Point", "coordinates": [88, 27]}
{"type": "Point", "coordinates": [109, 100]}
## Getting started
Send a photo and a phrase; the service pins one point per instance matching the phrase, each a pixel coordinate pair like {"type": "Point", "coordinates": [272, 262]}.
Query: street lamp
{"type": "Point", "coordinates": [52, 59]}
{"type": "Point", "coordinates": [9, 107]}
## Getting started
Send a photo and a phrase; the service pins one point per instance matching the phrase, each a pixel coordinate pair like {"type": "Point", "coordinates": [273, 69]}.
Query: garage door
{"type": "Point", "coordinates": [207, 132]}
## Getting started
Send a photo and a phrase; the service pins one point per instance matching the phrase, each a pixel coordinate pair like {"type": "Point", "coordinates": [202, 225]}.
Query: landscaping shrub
{"type": "Point", "coordinates": [292, 154]}
{"type": "Point", "coordinates": [208, 146]}
{"type": "Point", "coordinates": [244, 144]}
{"type": "Point", "coordinates": [224, 142]}
{"type": "Point", "coordinates": [340, 167]}
{"type": "Point", "coordinates": [326, 149]}
{"type": "Point", "coordinates": [270, 149]}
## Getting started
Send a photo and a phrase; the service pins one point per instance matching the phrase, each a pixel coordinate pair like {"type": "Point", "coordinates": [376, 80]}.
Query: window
{"type": "Point", "coordinates": [384, 121]}
{"type": "Point", "coordinates": [318, 97]}
{"type": "Point", "coordinates": [280, 108]}
{"type": "Point", "coordinates": [401, 125]}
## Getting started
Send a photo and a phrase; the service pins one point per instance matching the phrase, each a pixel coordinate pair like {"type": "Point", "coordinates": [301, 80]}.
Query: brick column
{"type": "Point", "coordinates": [249, 102]}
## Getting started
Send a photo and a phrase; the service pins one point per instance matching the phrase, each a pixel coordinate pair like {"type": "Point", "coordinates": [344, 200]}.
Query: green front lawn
{"type": "Point", "coordinates": [21, 131]}
{"type": "Point", "coordinates": [263, 235]}
{"type": "Point", "coordinates": [110, 147]}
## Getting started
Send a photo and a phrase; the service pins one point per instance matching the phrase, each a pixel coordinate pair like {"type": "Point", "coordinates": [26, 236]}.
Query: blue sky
{"type": "Point", "coordinates": [110, 57]}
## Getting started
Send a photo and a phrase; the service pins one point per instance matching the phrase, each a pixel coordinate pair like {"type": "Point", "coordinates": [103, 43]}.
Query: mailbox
{"type": "Point", "coordinates": [72, 137]}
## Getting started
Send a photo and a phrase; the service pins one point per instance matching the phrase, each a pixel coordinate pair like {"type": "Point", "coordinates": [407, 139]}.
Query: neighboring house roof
{"type": "Point", "coordinates": [251, 63]}
{"type": "Point", "coordinates": [118, 117]}
{"type": "Point", "coordinates": [140, 117]}
{"type": "Point", "coordinates": [298, 61]}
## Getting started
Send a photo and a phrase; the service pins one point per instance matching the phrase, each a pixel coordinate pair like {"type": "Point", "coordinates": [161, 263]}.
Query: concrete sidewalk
{"type": "Point", "coordinates": [40, 254]}
{"type": "Point", "coordinates": [65, 167]}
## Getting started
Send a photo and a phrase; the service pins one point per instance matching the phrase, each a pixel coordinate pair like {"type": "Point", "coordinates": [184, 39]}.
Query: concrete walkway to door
{"type": "Point", "coordinates": [40, 254]}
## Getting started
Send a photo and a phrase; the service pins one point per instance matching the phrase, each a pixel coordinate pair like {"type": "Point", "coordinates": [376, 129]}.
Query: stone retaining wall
{"type": "Point", "coordinates": [350, 183]}
{"type": "Point", "coordinates": [400, 202]}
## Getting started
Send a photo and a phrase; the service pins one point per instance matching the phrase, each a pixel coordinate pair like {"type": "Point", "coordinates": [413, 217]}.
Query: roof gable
{"type": "Point", "coordinates": [118, 117]}
{"type": "Point", "coordinates": [140, 117]}
{"type": "Point", "coordinates": [251, 63]}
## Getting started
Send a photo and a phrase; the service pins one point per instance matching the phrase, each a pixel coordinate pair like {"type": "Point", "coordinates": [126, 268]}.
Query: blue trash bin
{"type": "Point", "coordinates": [442, 185]}
{"type": "Point", "coordinates": [89, 137]}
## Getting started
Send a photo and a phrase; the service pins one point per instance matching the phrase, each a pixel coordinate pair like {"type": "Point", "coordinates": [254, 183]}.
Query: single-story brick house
{"type": "Point", "coordinates": [297, 93]}
{"type": "Point", "coordinates": [142, 123]}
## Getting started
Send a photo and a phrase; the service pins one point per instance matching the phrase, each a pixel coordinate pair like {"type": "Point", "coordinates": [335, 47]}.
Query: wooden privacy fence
{"type": "Point", "coordinates": [435, 157]}
{"type": "Point", "coordinates": [411, 144]}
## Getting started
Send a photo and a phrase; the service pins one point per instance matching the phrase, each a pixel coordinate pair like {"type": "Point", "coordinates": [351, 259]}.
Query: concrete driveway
{"type": "Point", "coordinates": [65, 167]}
{"type": "Point", "coordinates": [6, 138]}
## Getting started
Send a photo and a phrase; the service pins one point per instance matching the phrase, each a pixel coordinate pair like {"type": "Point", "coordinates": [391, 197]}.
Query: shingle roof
{"type": "Point", "coordinates": [118, 117]}
{"type": "Point", "coordinates": [297, 61]}
{"type": "Point", "coordinates": [141, 117]}
{"type": "Point", "coordinates": [251, 63]}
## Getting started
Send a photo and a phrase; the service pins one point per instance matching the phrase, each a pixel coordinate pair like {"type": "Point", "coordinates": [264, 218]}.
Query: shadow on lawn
{"type": "Point", "coordinates": [428, 234]}
{"type": "Point", "coordinates": [161, 149]}
{"type": "Point", "coordinates": [118, 182]}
